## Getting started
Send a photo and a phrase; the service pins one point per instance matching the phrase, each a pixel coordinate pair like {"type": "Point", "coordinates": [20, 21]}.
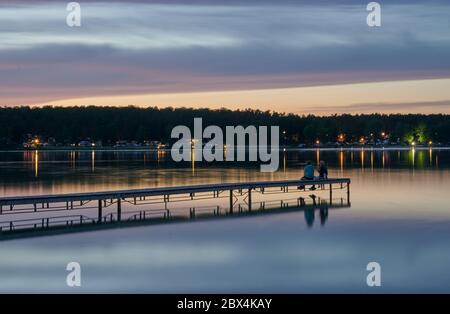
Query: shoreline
{"type": "Point", "coordinates": [156, 150]}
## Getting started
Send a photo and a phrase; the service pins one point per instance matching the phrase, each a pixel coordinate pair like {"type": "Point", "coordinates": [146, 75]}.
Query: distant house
{"type": "Point", "coordinates": [121, 144]}
{"type": "Point", "coordinates": [33, 142]}
{"type": "Point", "coordinates": [134, 144]}
{"type": "Point", "coordinates": [154, 144]}
{"type": "Point", "coordinates": [85, 143]}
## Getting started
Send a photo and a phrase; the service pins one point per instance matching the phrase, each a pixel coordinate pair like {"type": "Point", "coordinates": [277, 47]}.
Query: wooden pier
{"type": "Point", "coordinates": [77, 209]}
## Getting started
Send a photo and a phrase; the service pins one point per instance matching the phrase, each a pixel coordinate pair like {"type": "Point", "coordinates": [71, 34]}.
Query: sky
{"type": "Point", "coordinates": [301, 56]}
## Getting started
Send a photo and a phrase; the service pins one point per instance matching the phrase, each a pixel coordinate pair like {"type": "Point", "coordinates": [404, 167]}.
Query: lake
{"type": "Point", "coordinates": [399, 217]}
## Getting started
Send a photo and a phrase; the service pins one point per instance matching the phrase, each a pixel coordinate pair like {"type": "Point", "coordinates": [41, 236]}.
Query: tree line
{"type": "Point", "coordinates": [111, 124]}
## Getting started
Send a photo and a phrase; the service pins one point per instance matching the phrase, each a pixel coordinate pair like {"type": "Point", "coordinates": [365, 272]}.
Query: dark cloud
{"type": "Point", "coordinates": [172, 48]}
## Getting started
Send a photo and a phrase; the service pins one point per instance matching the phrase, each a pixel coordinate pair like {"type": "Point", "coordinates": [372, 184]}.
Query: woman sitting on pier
{"type": "Point", "coordinates": [323, 170]}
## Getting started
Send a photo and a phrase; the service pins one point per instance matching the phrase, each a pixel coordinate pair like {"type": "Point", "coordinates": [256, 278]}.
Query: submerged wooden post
{"type": "Point", "coordinates": [250, 199]}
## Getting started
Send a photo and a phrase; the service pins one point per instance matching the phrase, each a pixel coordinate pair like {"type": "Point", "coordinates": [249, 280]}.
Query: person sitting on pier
{"type": "Point", "coordinates": [323, 170]}
{"type": "Point", "coordinates": [308, 174]}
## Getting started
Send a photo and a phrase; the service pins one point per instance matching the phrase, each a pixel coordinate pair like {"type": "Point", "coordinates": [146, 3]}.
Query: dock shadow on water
{"type": "Point", "coordinates": [57, 214]}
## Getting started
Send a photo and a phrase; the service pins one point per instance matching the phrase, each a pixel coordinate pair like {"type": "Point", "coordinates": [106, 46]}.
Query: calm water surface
{"type": "Point", "coordinates": [399, 217]}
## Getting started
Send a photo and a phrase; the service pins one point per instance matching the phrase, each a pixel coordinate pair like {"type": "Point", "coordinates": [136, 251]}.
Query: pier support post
{"type": "Point", "coordinates": [250, 199]}
{"type": "Point", "coordinates": [99, 211]}
{"type": "Point", "coordinates": [331, 194]}
{"type": "Point", "coordinates": [348, 193]}
{"type": "Point", "coordinates": [231, 201]}
{"type": "Point", "coordinates": [119, 210]}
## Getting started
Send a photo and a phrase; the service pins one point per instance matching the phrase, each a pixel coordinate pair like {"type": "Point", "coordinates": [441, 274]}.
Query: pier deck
{"type": "Point", "coordinates": [38, 212]}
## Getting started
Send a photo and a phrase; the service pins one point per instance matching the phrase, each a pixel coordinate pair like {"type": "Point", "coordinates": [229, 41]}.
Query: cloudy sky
{"type": "Point", "coordinates": [292, 56]}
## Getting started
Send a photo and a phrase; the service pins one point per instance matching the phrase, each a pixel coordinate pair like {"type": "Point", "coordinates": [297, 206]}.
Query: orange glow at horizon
{"type": "Point", "coordinates": [386, 97]}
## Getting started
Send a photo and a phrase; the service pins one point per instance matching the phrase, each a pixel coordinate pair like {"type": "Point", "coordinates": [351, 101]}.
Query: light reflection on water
{"type": "Point", "coordinates": [46, 172]}
{"type": "Point", "coordinates": [399, 217]}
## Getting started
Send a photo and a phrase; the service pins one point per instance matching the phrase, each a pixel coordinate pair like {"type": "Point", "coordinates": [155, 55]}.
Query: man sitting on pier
{"type": "Point", "coordinates": [308, 174]}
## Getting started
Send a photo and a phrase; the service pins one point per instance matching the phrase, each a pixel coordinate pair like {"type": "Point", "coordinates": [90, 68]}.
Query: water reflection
{"type": "Point", "coordinates": [75, 171]}
{"type": "Point", "coordinates": [323, 212]}
{"type": "Point", "coordinates": [193, 160]}
{"type": "Point", "coordinates": [413, 157]}
{"type": "Point", "coordinates": [311, 212]}
{"type": "Point", "coordinates": [24, 225]}
{"type": "Point", "coordinates": [430, 155]}
{"type": "Point", "coordinates": [36, 163]}
{"type": "Point", "coordinates": [362, 160]}
{"type": "Point", "coordinates": [371, 160]}
{"type": "Point", "coordinates": [309, 216]}
{"type": "Point", "coordinates": [399, 216]}
{"type": "Point", "coordinates": [317, 156]}
{"type": "Point", "coordinates": [93, 161]}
